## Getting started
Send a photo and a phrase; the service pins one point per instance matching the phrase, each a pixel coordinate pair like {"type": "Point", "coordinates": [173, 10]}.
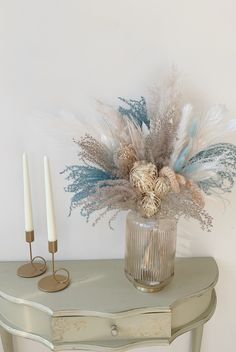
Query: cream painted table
{"type": "Point", "coordinates": [102, 311]}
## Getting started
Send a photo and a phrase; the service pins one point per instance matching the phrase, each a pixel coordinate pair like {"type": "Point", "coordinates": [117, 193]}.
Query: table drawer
{"type": "Point", "coordinates": [90, 328]}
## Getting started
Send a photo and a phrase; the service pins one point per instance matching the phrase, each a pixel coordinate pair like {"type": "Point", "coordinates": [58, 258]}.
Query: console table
{"type": "Point", "coordinates": [102, 311]}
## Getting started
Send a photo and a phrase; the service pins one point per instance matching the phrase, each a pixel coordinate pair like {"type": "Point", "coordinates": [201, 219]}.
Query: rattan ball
{"type": "Point", "coordinates": [162, 187]}
{"type": "Point", "coordinates": [143, 176]}
{"type": "Point", "coordinates": [150, 204]}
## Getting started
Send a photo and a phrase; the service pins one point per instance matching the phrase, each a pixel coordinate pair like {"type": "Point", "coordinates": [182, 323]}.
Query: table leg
{"type": "Point", "coordinates": [7, 341]}
{"type": "Point", "coordinates": [197, 338]}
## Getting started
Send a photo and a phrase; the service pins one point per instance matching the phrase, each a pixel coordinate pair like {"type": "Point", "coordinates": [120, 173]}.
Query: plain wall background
{"type": "Point", "coordinates": [61, 55]}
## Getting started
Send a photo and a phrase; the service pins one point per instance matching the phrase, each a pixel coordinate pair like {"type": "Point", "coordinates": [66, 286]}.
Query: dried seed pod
{"type": "Point", "coordinates": [196, 193]}
{"type": "Point", "coordinates": [150, 204]}
{"type": "Point", "coordinates": [180, 179]}
{"type": "Point", "coordinates": [162, 187]}
{"type": "Point", "coordinates": [143, 176]}
{"type": "Point", "coordinates": [125, 159]}
{"type": "Point", "coordinates": [170, 174]}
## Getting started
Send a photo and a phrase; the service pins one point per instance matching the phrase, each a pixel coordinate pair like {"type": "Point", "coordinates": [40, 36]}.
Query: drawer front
{"type": "Point", "coordinates": [138, 326]}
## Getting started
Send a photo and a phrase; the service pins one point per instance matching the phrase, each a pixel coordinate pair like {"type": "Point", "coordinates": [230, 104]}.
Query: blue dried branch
{"type": "Point", "coordinates": [136, 111]}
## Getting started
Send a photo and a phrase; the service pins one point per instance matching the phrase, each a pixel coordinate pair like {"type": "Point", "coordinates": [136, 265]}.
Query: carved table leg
{"type": "Point", "coordinates": [7, 342]}
{"type": "Point", "coordinates": [197, 338]}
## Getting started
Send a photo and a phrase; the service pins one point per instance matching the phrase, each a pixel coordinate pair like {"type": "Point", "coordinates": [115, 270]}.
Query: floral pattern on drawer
{"type": "Point", "coordinates": [91, 328]}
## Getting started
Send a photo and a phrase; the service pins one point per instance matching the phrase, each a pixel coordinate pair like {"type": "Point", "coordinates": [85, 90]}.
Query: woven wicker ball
{"type": "Point", "coordinates": [143, 176]}
{"type": "Point", "coordinates": [162, 187]}
{"type": "Point", "coordinates": [150, 204]}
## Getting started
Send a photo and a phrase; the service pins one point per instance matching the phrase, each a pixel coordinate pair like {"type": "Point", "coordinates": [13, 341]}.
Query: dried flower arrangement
{"type": "Point", "coordinates": [158, 159]}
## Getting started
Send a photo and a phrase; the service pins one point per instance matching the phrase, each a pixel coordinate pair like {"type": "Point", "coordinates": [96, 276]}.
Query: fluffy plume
{"type": "Point", "coordinates": [109, 195]}
{"type": "Point", "coordinates": [113, 126]}
{"type": "Point", "coordinates": [158, 159]}
{"type": "Point", "coordinates": [214, 168]}
{"type": "Point", "coordinates": [125, 126]}
{"type": "Point", "coordinates": [164, 119]}
{"type": "Point", "coordinates": [181, 204]}
{"type": "Point", "coordinates": [184, 139]}
{"type": "Point", "coordinates": [136, 111]}
{"type": "Point", "coordinates": [212, 127]}
{"type": "Point", "coordinates": [83, 181]}
{"type": "Point", "coordinates": [95, 152]}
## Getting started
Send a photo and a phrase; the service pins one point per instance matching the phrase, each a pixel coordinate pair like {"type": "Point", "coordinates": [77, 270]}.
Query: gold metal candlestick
{"type": "Point", "coordinates": [55, 282]}
{"type": "Point", "coordinates": [32, 269]}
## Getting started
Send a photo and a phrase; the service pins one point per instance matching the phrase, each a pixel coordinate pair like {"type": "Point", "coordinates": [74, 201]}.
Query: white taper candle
{"type": "Point", "coordinates": [51, 224]}
{"type": "Point", "coordinates": [27, 196]}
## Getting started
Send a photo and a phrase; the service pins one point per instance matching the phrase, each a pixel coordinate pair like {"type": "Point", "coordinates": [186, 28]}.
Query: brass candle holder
{"type": "Point", "coordinates": [55, 282]}
{"type": "Point", "coordinates": [32, 269]}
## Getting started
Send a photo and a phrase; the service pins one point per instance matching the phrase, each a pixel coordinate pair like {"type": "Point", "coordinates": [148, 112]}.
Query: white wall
{"type": "Point", "coordinates": [60, 55]}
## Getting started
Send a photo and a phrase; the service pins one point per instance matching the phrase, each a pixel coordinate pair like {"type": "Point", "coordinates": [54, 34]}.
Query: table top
{"type": "Point", "coordinates": [101, 286]}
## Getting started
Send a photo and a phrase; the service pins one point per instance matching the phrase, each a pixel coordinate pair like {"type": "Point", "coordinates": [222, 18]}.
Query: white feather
{"type": "Point", "coordinates": [201, 171]}
{"type": "Point", "coordinates": [62, 126]}
{"type": "Point", "coordinates": [213, 127]}
{"type": "Point", "coordinates": [182, 137]}
{"type": "Point", "coordinates": [136, 138]}
{"type": "Point", "coordinates": [122, 130]}
{"type": "Point", "coordinates": [114, 125]}
{"type": "Point", "coordinates": [204, 171]}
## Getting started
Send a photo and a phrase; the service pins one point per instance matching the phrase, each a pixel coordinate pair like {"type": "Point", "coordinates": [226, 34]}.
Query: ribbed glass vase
{"type": "Point", "coordinates": [150, 251]}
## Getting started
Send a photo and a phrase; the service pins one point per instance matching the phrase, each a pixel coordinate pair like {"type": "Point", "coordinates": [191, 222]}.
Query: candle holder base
{"type": "Point", "coordinates": [32, 269]}
{"type": "Point", "coordinates": [53, 283]}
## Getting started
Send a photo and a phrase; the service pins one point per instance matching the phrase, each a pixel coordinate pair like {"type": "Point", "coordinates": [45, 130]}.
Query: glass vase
{"type": "Point", "coordinates": [150, 251]}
